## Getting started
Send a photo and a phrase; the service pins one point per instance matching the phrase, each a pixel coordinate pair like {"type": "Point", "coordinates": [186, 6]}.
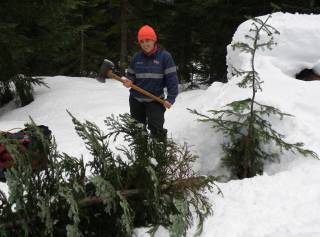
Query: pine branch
{"type": "Point", "coordinates": [20, 78]}
{"type": "Point", "coordinates": [146, 191]}
{"type": "Point", "coordinates": [192, 183]}
{"type": "Point", "coordinates": [226, 126]}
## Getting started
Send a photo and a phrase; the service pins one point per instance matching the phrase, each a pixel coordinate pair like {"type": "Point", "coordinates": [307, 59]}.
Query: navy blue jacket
{"type": "Point", "coordinates": [153, 73]}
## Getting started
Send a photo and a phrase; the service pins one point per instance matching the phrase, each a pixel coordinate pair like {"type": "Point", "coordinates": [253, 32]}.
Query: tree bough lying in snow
{"type": "Point", "coordinates": [245, 122]}
{"type": "Point", "coordinates": [149, 183]}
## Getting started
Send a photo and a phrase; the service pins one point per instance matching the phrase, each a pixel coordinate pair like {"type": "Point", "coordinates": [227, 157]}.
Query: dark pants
{"type": "Point", "coordinates": [149, 113]}
{"type": "Point", "coordinates": [2, 177]}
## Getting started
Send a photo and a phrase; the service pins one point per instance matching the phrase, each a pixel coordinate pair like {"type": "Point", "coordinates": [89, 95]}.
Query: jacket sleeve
{"type": "Point", "coordinates": [131, 75]}
{"type": "Point", "coordinates": [171, 78]}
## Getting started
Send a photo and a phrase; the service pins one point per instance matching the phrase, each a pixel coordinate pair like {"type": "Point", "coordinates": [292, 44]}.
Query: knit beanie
{"type": "Point", "coordinates": [146, 32]}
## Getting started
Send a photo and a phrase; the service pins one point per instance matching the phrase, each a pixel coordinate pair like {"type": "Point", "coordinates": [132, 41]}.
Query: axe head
{"type": "Point", "coordinates": [106, 66]}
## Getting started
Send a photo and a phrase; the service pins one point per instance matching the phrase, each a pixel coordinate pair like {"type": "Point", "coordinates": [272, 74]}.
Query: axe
{"type": "Point", "coordinates": [106, 72]}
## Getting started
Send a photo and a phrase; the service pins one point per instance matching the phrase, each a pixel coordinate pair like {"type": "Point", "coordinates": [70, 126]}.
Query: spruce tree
{"type": "Point", "coordinates": [245, 122]}
{"type": "Point", "coordinates": [28, 39]}
{"type": "Point", "coordinates": [148, 183]}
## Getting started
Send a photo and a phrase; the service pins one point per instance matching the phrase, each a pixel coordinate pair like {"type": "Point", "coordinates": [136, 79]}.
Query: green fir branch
{"type": "Point", "coordinates": [60, 199]}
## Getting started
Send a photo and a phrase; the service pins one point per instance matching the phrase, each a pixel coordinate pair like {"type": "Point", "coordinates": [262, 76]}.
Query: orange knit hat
{"type": "Point", "coordinates": [146, 32]}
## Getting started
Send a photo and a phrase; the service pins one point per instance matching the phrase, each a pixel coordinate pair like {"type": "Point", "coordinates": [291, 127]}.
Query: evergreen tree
{"type": "Point", "coordinates": [88, 24]}
{"type": "Point", "coordinates": [26, 43]}
{"type": "Point", "coordinates": [150, 183]}
{"type": "Point", "coordinates": [245, 122]}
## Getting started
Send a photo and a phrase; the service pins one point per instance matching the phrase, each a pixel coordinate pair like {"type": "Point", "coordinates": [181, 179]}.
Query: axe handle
{"type": "Point", "coordinates": [110, 74]}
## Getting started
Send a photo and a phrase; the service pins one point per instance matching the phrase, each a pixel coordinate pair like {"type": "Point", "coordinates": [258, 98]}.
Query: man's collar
{"type": "Point", "coordinates": [153, 51]}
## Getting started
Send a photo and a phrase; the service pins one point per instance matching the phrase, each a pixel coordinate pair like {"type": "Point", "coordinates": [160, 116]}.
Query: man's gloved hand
{"type": "Point", "coordinates": [126, 82]}
{"type": "Point", "coordinates": [167, 104]}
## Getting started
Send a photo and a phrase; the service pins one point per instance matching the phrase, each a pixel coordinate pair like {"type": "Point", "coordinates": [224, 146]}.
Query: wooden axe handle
{"type": "Point", "coordinates": [110, 74]}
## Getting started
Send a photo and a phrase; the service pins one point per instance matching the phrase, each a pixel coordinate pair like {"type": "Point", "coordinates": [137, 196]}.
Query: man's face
{"type": "Point", "coordinates": [147, 45]}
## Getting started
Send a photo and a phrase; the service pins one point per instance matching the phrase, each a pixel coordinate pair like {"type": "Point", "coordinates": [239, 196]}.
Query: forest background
{"type": "Point", "coordinates": [72, 37]}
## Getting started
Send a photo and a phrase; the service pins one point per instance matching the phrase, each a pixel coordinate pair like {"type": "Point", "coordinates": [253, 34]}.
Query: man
{"type": "Point", "coordinates": [152, 69]}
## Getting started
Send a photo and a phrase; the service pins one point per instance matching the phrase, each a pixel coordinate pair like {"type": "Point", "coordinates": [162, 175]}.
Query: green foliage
{"type": "Point", "coordinates": [19, 87]}
{"type": "Point", "coordinates": [24, 88]}
{"type": "Point", "coordinates": [26, 42]}
{"type": "Point", "coordinates": [73, 37]}
{"type": "Point", "coordinates": [245, 123]}
{"type": "Point", "coordinates": [243, 156]}
{"type": "Point", "coordinates": [148, 183]}
{"type": "Point", "coordinates": [251, 77]}
{"type": "Point", "coordinates": [6, 94]}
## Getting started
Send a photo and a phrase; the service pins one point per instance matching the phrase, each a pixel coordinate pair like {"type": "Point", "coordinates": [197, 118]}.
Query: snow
{"type": "Point", "coordinates": [285, 200]}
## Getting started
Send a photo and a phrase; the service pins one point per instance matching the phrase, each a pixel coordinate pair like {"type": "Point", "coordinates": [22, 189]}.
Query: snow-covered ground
{"type": "Point", "coordinates": [285, 200]}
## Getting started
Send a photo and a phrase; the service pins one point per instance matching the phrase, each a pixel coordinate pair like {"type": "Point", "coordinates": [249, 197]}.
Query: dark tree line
{"type": "Point", "coordinates": [39, 37]}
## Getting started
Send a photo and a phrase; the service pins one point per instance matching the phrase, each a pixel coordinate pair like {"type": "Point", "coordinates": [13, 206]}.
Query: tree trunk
{"type": "Point", "coordinates": [311, 3]}
{"type": "Point", "coordinates": [191, 183]}
{"type": "Point", "coordinates": [124, 30]}
{"type": "Point", "coordinates": [82, 50]}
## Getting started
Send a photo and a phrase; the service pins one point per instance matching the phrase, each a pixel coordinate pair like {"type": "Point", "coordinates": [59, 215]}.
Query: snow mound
{"type": "Point", "coordinates": [297, 45]}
